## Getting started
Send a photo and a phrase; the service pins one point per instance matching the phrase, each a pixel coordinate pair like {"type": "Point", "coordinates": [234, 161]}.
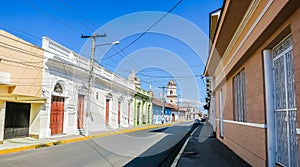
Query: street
{"type": "Point", "coordinates": [148, 148]}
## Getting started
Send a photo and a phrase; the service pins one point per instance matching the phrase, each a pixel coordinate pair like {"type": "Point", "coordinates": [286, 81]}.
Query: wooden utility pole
{"type": "Point", "coordinates": [90, 79]}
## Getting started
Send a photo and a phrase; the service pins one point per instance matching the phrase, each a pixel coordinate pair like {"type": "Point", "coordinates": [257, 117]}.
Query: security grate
{"type": "Point", "coordinates": [285, 104]}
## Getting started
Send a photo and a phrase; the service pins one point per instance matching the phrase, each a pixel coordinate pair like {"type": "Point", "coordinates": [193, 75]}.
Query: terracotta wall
{"type": "Point", "coordinates": [295, 28]}
{"type": "Point", "coordinates": [250, 146]}
{"type": "Point", "coordinates": [248, 142]}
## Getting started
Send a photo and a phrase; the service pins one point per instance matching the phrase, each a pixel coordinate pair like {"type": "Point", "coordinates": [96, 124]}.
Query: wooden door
{"type": "Point", "coordinates": [57, 115]}
{"type": "Point", "coordinates": [107, 113]}
{"type": "Point", "coordinates": [119, 113]}
{"type": "Point", "coordinates": [80, 111]}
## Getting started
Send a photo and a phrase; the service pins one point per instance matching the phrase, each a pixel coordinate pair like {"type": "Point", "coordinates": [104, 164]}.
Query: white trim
{"type": "Point", "coordinates": [298, 131]}
{"type": "Point", "coordinates": [257, 125]}
{"type": "Point", "coordinates": [286, 109]}
{"type": "Point", "coordinates": [221, 109]}
{"type": "Point", "coordinates": [59, 94]}
{"type": "Point", "coordinates": [246, 36]}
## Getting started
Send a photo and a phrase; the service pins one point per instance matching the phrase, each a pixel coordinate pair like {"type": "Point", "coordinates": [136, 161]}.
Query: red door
{"type": "Point", "coordinates": [57, 115]}
{"type": "Point", "coordinates": [119, 113]}
{"type": "Point", "coordinates": [107, 113]}
{"type": "Point", "coordinates": [80, 111]}
{"type": "Point", "coordinates": [128, 113]}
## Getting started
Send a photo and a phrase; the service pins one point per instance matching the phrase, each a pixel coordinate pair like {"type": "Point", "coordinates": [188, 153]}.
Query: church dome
{"type": "Point", "coordinates": [172, 82]}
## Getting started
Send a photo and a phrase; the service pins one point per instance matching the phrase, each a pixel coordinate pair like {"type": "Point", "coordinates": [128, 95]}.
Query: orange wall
{"type": "Point", "coordinates": [24, 62]}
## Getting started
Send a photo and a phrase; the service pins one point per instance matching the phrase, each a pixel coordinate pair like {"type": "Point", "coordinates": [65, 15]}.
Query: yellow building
{"type": "Point", "coordinates": [21, 71]}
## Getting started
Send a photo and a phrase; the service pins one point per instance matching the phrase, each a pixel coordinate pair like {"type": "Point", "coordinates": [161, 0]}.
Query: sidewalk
{"type": "Point", "coordinates": [27, 143]}
{"type": "Point", "coordinates": [202, 149]}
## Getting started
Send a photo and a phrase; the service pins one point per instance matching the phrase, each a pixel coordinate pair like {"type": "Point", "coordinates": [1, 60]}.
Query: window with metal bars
{"type": "Point", "coordinates": [239, 97]}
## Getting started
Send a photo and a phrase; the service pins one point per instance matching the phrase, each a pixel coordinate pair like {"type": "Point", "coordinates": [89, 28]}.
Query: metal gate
{"type": "Point", "coordinates": [17, 117]}
{"type": "Point", "coordinates": [285, 104]}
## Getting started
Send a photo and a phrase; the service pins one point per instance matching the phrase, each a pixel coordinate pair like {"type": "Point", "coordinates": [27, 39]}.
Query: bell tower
{"type": "Point", "coordinates": [171, 92]}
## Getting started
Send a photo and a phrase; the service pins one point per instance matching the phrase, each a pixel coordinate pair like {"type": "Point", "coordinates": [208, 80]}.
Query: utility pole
{"type": "Point", "coordinates": [178, 105]}
{"type": "Point", "coordinates": [164, 101]}
{"type": "Point", "coordinates": [90, 79]}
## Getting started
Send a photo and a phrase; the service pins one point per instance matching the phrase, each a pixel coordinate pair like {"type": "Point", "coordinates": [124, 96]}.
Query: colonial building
{"type": "Point", "coordinates": [164, 112]}
{"type": "Point", "coordinates": [254, 70]}
{"type": "Point", "coordinates": [65, 85]}
{"type": "Point", "coordinates": [142, 107]}
{"type": "Point", "coordinates": [142, 102]}
{"type": "Point", "coordinates": [21, 101]}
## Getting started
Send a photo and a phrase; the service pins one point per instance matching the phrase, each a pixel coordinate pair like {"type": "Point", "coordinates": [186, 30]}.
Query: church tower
{"type": "Point", "coordinates": [134, 79]}
{"type": "Point", "coordinates": [171, 92]}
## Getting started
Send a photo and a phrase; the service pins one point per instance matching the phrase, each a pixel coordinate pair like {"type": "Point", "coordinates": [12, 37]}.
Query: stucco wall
{"type": "Point", "coordinates": [24, 62]}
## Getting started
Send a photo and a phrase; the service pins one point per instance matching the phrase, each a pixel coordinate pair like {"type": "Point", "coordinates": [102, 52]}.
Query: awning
{"type": "Point", "coordinates": [21, 98]}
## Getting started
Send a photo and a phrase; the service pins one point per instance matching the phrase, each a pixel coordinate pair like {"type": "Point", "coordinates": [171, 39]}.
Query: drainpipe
{"type": "Point", "coordinates": [270, 112]}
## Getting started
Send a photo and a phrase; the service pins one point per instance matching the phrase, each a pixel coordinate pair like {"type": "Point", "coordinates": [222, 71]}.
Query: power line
{"type": "Point", "coordinates": [21, 31]}
{"type": "Point", "coordinates": [41, 67]}
{"type": "Point", "coordinates": [121, 51]}
{"type": "Point", "coordinates": [65, 12]}
{"type": "Point", "coordinates": [49, 15]}
{"type": "Point", "coordinates": [72, 9]}
{"type": "Point", "coordinates": [147, 30]}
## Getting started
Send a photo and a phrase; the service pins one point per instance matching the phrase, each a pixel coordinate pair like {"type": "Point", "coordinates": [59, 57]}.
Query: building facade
{"type": "Point", "coordinates": [142, 107]}
{"type": "Point", "coordinates": [254, 71]}
{"type": "Point", "coordinates": [21, 72]}
{"type": "Point", "coordinates": [65, 85]}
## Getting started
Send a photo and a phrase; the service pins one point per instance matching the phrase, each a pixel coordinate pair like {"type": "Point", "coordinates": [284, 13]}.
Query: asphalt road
{"type": "Point", "coordinates": [141, 148]}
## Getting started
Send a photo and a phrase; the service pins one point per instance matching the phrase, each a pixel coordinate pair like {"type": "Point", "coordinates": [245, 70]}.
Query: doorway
{"type": "Point", "coordinates": [80, 111]}
{"type": "Point", "coordinates": [285, 104]}
{"type": "Point", "coordinates": [17, 117]}
{"type": "Point", "coordinates": [57, 115]}
{"type": "Point", "coordinates": [107, 113]}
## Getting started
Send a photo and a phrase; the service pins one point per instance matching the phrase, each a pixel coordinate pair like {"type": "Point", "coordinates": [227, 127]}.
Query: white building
{"type": "Point", "coordinates": [65, 86]}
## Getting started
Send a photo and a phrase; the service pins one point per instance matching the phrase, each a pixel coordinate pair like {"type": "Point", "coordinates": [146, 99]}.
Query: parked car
{"type": "Point", "coordinates": [197, 122]}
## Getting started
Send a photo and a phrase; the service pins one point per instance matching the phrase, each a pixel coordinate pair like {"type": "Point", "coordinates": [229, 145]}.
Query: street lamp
{"type": "Point", "coordinates": [88, 111]}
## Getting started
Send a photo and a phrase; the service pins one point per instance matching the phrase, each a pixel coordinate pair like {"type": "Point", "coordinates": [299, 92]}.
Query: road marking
{"type": "Point", "coordinates": [174, 164]}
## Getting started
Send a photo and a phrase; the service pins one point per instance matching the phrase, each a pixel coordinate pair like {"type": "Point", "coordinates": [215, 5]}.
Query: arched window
{"type": "Point", "coordinates": [58, 88]}
{"type": "Point", "coordinates": [171, 92]}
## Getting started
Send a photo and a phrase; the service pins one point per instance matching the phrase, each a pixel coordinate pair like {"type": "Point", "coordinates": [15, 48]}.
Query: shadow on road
{"type": "Point", "coordinates": [163, 152]}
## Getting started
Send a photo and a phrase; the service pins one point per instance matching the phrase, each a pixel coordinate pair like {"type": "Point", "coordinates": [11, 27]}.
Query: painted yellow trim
{"type": "Point", "coordinates": [65, 141]}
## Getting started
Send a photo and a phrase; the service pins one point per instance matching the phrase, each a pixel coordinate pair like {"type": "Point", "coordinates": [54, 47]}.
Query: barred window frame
{"type": "Point", "coordinates": [239, 97]}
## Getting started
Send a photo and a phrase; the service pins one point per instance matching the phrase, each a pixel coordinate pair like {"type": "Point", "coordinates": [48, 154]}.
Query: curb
{"type": "Point", "coordinates": [65, 141]}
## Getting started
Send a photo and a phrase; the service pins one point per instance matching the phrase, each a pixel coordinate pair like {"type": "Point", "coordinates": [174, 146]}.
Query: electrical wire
{"type": "Point", "coordinates": [52, 17]}
{"type": "Point", "coordinates": [72, 9]}
{"type": "Point", "coordinates": [66, 13]}
{"type": "Point", "coordinates": [121, 50]}
{"type": "Point", "coordinates": [147, 30]}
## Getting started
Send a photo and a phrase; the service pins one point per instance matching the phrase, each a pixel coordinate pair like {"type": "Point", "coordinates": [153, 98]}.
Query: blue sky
{"type": "Point", "coordinates": [65, 20]}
